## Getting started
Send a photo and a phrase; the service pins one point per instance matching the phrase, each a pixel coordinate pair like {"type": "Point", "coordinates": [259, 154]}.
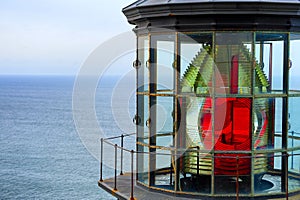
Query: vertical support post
{"type": "Point", "coordinates": [213, 98]}
{"type": "Point", "coordinates": [101, 159]}
{"type": "Point", "coordinates": [178, 117]}
{"type": "Point", "coordinates": [152, 109]}
{"type": "Point", "coordinates": [271, 65]}
{"type": "Point", "coordinates": [122, 145]}
{"type": "Point", "coordinates": [253, 76]}
{"type": "Point", "coordinates": [285, 113]}
{"type": "Point", "coordinates": [116, 154]}
{"type": "Point", "coordinates": [132, 182]}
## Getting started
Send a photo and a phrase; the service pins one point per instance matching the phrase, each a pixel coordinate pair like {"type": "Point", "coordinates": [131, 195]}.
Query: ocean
{"type": "Point", "coordinates": [41, 154]}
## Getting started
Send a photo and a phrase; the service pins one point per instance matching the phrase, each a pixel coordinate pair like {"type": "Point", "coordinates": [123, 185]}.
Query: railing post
{"type": "Point", "coordinates": [122, 145]}
{"type": "Point", "coordinates": [287, 179]}
{"type": "Point", "coordinates": [292, 165]}
{"type": "Point", "coordinates": [198, 160]}
{"type": "Point", "coordinates": [171, 167]}
{"type": "Point", "coordinates": [237, 177]}
{"type": "Point", "coordinates": [116, 159]}
{"type": "Point", "coordinates": [132, 182]}
{"type": "Point", "coordinates": [101, 159]}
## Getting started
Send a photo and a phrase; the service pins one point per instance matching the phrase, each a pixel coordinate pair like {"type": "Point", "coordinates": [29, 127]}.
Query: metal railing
{"type": "Point", "coordinates": [174, 152]}
{"type": "Point", "coordinates": [122, 149]}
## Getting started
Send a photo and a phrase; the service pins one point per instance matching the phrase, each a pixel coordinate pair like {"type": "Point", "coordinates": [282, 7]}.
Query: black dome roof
{"type": "Point", "coordinates": [141, 3]}
{"type": "Point", "coordinates": [213, 14]}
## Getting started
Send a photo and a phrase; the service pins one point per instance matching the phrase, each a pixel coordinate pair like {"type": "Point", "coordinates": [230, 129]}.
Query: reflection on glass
{"type": "Point", "coordinates": [233, 59]}
{"type": "Point", "coordinates": [165, 57]}
{"type": "Point", "coordinates": [294, 63]}
{"type": "Point", "coordinates": [294, 171]}
{"type": "Point", "coordinates": [237, 182]}
{"type": "Point", "coordinates": [232, 126]}
{"type": "Point", "coordinates": [142, 137]}
{"type": "Point", "coordinates": [164, 138]}
{"type": "Point", "coordinates": [278, 123]}
{"type": "Point", "coordinates": [269, 54]}
{"type": "Point", "coordinates": [293, 123]}
{"type": "Point", "coordinates": [142, 68]}
{"type": "Point", "coordinates": [143, 163]}
{"type": "Point", "coordinates": [164, 115]}
{"type": "Point", "coordinates": [164, 168]}
{"type": "Point", "coordinates": [277, 161]}
{"type": "Point", "coordinates": [196, 64]}
{"type": "Point", "coordinates": [141, 119]}
{"type": "Point", "coordinates": [294, 143]}
{"type": "Point", "coordinates": [294, 161]}
{"type": "Point", "coordinates": [263, 130]}
{"type": "Point", "coordinates": [265, 180]}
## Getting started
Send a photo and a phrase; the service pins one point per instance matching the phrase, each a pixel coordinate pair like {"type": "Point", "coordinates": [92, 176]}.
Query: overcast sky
{"type": "Point", "coordinates": [55, 36]}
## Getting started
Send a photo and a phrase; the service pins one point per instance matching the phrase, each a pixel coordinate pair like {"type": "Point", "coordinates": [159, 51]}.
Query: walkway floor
{"type": "Point", "coordinates": [141, 193]}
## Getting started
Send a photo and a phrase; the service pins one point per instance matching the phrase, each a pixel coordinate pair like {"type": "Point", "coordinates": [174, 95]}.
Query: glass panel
{"type": "Point", "coordinates": [294, 142]}
{"type": "Point", "coordinates": [142, 137]}
{"type": "Point", "coordinates": [197, 172]}
{"type": "Point", "coordinates": [196, 166]}
{"type": "Point", "coordinates": [294, 170]}
{"type": "Point", "coordinates": [278, 161]}
{"type": "Point", "coordinates": [164, 46]}
{"type": "Point", "coordinates": [278, 123]}
{"type": "Point", "coordinates": [193, 109]}
{"type": "Point", "coordinates": [164, 115]}
{"type": "Point", "coordinates": [266, 180]}
{"type": "Point", "coordinates": [263, 124]}
{"type": "Point", "coordinates": [164, 169]}
{"type": "Point", "coordinates": [142, 63]}
{"type": "Point", "coordinates": [294, 125]}
{"type": "Point", "coordinates": [294, 162]}
{"type": "Point", "coordinates": [146, 120]}
{"type": "Point", "coordinates": [232, 125]}
{"type": "Point", "coordinates": [142, 118]}
{"type": "Point", "coordinates": [196, 62]}
{"type": "Point", "coordinates": [294, 64]}
{"type": "Point", "coordinates": [267, 123]}
{"type": "Point", "coordinates": [232, 173]}
{"type": "Point", "coordinates": [233, 57]}
{"type": "Point", "coordinates": [164, 138]}
{"type": "Point", "coordinates": [143, 165]}
{"type": "Point", "coordinates": [269, 53]}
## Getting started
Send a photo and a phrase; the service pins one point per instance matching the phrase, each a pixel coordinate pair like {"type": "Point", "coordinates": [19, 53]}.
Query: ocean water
{"type": "Point", "coordinates": [41, 154]}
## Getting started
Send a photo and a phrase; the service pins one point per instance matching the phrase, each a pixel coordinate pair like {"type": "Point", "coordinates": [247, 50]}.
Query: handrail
{"type": "Point", "coordinates": [174, 152]}
{"type": "Point", "coordinates": [123, 135]}
{"type": "Point", "coordinates": [194, 151]}
{"type": "Point", "coordinates": [119, 147]}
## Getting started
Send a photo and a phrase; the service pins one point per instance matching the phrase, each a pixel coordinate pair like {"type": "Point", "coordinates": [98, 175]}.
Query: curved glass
{"type": "Point", "coordinates": [294, 64]}
{"type": "Point", "coordinates": [293, 115]}
{"type": "Point", "coordinates": [142, 64]}
{"type": "Point", "coordinates": [269, 55]}
{"type": "Point", "coordinates": [162, 62]}
{"type": "Point", "coordinates": [196, 62]}
{"type": "Point", "coordinates": [142, 106]}
{"type": "Point", "coordinates": [233, 60]}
